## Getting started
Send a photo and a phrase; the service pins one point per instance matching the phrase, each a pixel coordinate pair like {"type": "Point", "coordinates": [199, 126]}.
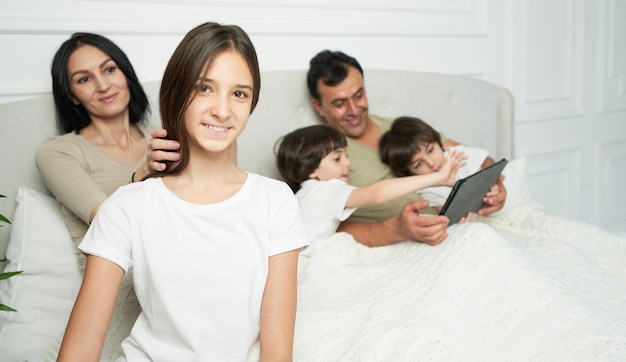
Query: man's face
{"type": "Point", "coordinates": [344, 106]}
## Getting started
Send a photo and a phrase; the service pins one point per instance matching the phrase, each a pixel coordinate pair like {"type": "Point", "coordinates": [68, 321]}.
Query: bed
{"type": "Point", "coordinates": [519, 285]}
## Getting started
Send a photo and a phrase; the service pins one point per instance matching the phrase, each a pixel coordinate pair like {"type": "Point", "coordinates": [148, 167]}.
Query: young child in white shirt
{"type": "Point", "coordinates": [413, 147]}
{"type": "Point", "coordinates": [312, 160]}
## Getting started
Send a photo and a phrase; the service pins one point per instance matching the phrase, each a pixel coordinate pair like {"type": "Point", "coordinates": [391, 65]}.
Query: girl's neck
{"type": "Point", "coordinates": [208, 178]}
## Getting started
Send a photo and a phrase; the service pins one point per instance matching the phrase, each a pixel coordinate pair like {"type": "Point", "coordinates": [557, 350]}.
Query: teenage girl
{"type": "Point", "coordinates": [213, 248]}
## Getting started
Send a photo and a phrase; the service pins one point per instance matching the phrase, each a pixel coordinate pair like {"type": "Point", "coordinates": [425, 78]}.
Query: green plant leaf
{"type": "Point", "coordinates": [9, 274]}
{"type": "Point", "coordinates": [2, 217]}
{"type": "Point", "coordinates": [6, 276]}
{"type": "Point", "coordinates": [7, 308]}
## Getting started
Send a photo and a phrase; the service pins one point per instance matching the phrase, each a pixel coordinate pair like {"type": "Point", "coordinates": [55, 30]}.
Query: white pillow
{"type": "Point", "coordinates": [516, 183]}
{"type": "Point", "coordinates": [44, 294]}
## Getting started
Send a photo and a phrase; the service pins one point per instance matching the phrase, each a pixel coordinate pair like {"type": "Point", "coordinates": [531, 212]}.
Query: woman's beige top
{"type": "Point", "coordinates": [80, 176]}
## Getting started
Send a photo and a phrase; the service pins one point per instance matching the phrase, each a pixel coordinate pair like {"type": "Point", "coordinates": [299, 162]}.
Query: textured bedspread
{"type": "Point", "coordinates": [519, 286]}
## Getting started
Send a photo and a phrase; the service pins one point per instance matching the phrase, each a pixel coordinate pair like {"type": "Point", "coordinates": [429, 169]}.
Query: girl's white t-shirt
{"type": "Point", "coordinates": [199, 270]}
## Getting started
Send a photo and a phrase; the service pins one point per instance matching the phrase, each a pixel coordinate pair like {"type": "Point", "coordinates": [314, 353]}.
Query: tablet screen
{"type": "Point", "coordinates": [467, 194]}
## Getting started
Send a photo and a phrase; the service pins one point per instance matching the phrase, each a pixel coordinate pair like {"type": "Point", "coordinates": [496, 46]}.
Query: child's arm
{"type": "Point", "coordinates": [278, 309]}
{"type": "Point", "coordinates": [386, 190]}
{"type": "Point", "coordinates": [92, 312]}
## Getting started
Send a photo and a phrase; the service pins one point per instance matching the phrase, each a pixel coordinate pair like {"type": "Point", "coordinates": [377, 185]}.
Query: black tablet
{"type": "Point", "coordinates": [467, 194]}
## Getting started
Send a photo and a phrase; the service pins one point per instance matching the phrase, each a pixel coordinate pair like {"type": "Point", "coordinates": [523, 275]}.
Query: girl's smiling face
{"type": "Point", "coordinates": [334, 165]}
{"type": "Point", "coordinates": [430, 158]}
{"type": "Point", "coordinates": [221, 103]}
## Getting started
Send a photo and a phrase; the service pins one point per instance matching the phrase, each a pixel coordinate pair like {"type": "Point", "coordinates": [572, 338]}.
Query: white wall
{"type": "Point", "coordinates": [563, 60]}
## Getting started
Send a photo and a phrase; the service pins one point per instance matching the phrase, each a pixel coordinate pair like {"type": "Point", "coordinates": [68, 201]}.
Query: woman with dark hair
{"type": "Point", "coordinates": [214, 248]}
{"type": "Point", "coordinates": [101, 111]}
{"type": "Point", "coordinates": [72, 116]}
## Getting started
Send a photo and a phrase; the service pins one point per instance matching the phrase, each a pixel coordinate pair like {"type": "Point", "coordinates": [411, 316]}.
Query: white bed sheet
{"type": "Point", "coordinates": [519, 286]}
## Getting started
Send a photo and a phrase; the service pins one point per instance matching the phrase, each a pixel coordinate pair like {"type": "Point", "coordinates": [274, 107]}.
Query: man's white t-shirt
{"type": "Point", "coordinates": [199, 270]}
{"type": "Point", "coordinates": [437, 195]}
{"type": "Point", "coordinates": [323, 206]}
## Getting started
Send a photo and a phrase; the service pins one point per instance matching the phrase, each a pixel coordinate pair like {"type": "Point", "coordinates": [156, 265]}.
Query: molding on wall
{"type": "Point", "coordinates": [557, 168]}
{"type": "Point", "coordinates": [168, 17]}
{"type": "Point", "coordinates": [550, 81]}
{"type": "Point", "coordinates": [277, 20]}
{"type": "Point", "coordinates": [612, 174]}
{"type": "Point", "coordinates": [611, 54]}
{"type": "Point", "coordinates": [393, 5]}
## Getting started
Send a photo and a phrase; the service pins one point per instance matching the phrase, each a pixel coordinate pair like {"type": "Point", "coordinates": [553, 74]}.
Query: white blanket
{"type": "Point", "coordinates": [519, 286]}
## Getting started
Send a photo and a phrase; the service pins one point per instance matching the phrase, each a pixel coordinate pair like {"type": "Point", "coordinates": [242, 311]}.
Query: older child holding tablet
{"type": "Point", "coordinates": [413, 147]}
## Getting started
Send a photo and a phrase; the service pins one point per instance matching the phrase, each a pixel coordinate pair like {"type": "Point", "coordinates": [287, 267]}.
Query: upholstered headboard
{"type": "Point", "coordinates": [470, 111]}
{"type": "Point", "coordinates": [467, 110]}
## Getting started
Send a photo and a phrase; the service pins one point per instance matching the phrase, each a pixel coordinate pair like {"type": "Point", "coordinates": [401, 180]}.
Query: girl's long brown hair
{"type": "Point", "coordinates": [193, 57]}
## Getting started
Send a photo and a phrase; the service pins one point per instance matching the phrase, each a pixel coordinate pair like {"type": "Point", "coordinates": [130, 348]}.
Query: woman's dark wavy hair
{"type": "Point", "coordinates": [192, 58]}
{"type": "Point", "coordinates": [71, 117]}
{"type": "Point", "coordinates": [331, 67]}
{"type": "Point", "coordinates": [404, 139]}
{"type": "Point", "coordinates": [300, 152]}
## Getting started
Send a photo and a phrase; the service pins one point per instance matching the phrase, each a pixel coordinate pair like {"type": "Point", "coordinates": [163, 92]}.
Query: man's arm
{"type": "Point", "coordinates": [409, 225]}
